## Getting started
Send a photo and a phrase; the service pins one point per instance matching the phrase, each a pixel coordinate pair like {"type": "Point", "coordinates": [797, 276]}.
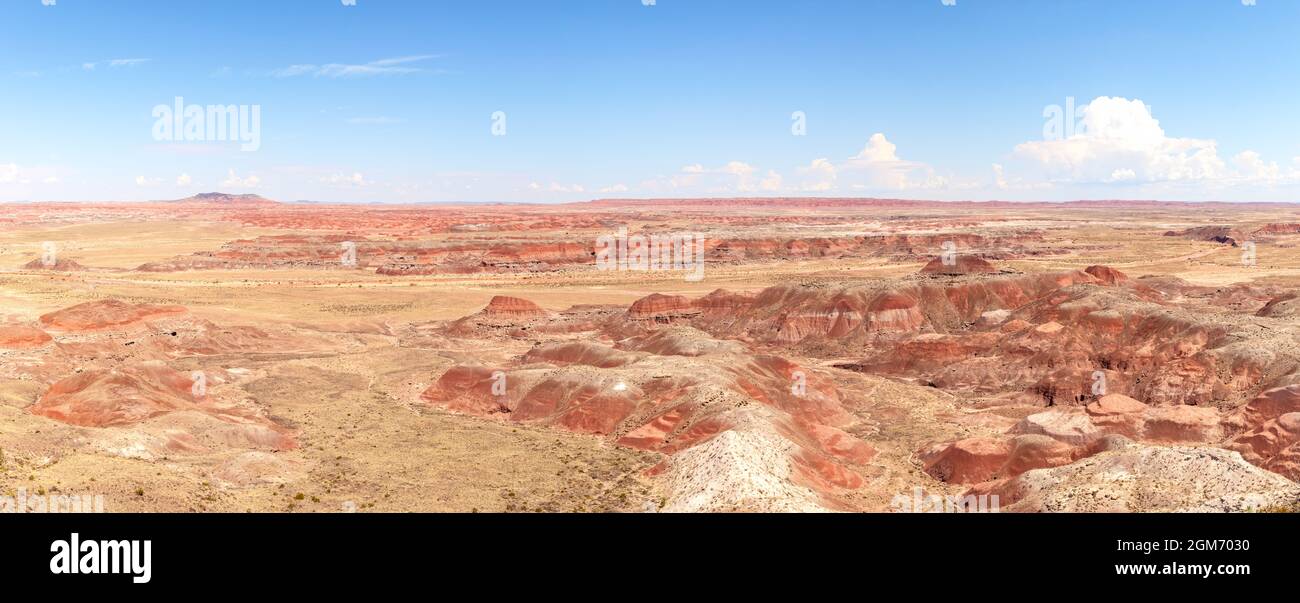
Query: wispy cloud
{"type": "Point", "coordinates": [115, 63]}
{"type": "Point", "coordinates": [390, 66]}
{"type": "Point", "coordinates": [375, 121]}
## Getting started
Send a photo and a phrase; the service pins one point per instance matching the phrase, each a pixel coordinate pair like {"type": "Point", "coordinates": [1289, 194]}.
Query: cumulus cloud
{"type": "Point", "coordinates": [144, 181]}
{"type": "Point", "coordinates": [184, 180]}
{"type": "Point", "coordinates": [732, 177]}
{"type": "Point", "coordinates": [1119, 141]}
{"type": "Point", "coordinates": [560, 188]}
{"type": "Point", "coordinates": [341, 179]}
{"type": "Point", "coordinates": [234, 181]}
{"type": "Point", "coordinates": [1116, 137]}
{"type": "Point", "coordinates": [876, 166]}
{"type": "Point", "coordinates": [818, 176]}
{"type": "Point", "coordinates": [12, 173]}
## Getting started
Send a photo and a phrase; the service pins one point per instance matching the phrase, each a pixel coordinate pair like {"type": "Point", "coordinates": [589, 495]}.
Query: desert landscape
{"type": "Point", "coordinates": [231, 353]}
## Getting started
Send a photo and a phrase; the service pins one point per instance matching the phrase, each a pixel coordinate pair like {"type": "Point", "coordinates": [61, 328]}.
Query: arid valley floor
{"type": "Point", "coordinates": [218, 353]}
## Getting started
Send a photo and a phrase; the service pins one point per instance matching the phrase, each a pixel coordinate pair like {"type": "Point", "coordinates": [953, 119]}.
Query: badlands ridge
{"type": "Point", "coordinates": [233, 353]}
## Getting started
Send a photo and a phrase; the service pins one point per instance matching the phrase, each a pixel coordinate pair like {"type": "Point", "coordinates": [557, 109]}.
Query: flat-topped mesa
{"type": "Point", "coordinates": [962, 264]}
{"type": "Point", "coordinates": [506, 307]}
{"type": "Point", "coordinates": [104, 314]}
{"type": "Point", "coordinates": [228, 199]}
{"type": "Point", "coordinates": [662, 308]}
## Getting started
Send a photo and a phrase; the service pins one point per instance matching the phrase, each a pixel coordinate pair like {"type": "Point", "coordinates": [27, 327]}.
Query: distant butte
{"type": "Point", "coordinates": [227, 199]}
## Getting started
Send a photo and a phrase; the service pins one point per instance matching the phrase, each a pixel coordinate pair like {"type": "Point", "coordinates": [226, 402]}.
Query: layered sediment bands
{"type": "Point", "coordinates": [853, 315]}
{"type": "Point", "coordinates": [662, 308]}
{"type": "Point", "coordinates": [1134, 478]}
{"type": "Point", "coordinates": [112, 364]}
{"type": "Point", "coordinates": [1235, 235]}
{"type": "Point", "coordinates": [134, 394]}
{"type": "Point", "coordinates": [962, 264]}
{"type": "Point", "coordinates": [412, 254]}
{"type": "Point", "coordinates": [679, 391]}
{"type": "Point", "coordinates": [512, 308]}
{"type": "Point", "coordinates": [18, 337]}
{"type": "Point", "coordinates": [1107, 275]}
{"type": "Point", "coordinates": [60, 265]}
{"type": "Point", "coordinates": [1175, 375]}
{"type": "Point", "coordinates": [104, 314]}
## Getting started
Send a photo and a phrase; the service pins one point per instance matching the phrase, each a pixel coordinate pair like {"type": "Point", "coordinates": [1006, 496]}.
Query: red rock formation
{"type": "Point", "coordinates": [514, 308]}
{"type": "Point", "coordinates": [662, 308]}
{"type": "Point", "coordinates": [962, 264]}
{"type": "Point", "coordinates": [136, 393]}
{"type": "Point", "coordinates": [61, 265]}
{"type": "Point", "coordinates": [670, 390]}
{"type": "Point", "coordinates": [1106, 274]}
{"type": "Point", "coordinates": [104, 314]}
{"type": "Point", "coordinates": [1282, 306]}
{"type": "Point", "coordinates": [17, 337]}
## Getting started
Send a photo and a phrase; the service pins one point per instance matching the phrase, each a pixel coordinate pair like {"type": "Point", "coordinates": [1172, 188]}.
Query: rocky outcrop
{"type": "Point", "coordinates": [18, 337]}
{"type": "Point", "coordinates": [104, 314]}
{"type": "Point", "coordinates": [962, 264]}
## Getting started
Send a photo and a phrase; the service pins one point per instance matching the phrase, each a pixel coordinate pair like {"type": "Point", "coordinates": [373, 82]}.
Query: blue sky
{"type": "Point", "coordinates": [393, 101]}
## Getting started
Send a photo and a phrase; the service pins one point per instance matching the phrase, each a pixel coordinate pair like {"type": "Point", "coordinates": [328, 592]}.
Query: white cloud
{"type": "Point", "coordinates": [559, 188]}
{"type": "Point", "coordinates": [143, 181]}
{"type": "Point", "coordinates": [115, 63]}
{"type": "Point", "coordinates": [818, 176]}
{"type": "Point", "coordinates": [375, 121]}
{"type": "Point", "coordinates": [391, 66]}
{"type": "Point", "coordinates": [1250, 166]}
{"type": "Point", "coordinates": [876, 167]}
{"type": "Point", "coordinates": [355, 179]}
{"type": "Point", "coordinates": [12, 173]}
{"type": "Point", "coordinates": [734, 176]}
{"type": "Point", "coordinates": [1119, 134]}
{"type": "Point", "coordinates": [1123, 175]}
{"type": "Point", "coordinates": [617, 188]}
{"type": "Point", "coordinates": [234, 181]}
{"type": "Point", "coordinates": [184, 180]}
{"type": "Point", "coordinates": [1120, 141]}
